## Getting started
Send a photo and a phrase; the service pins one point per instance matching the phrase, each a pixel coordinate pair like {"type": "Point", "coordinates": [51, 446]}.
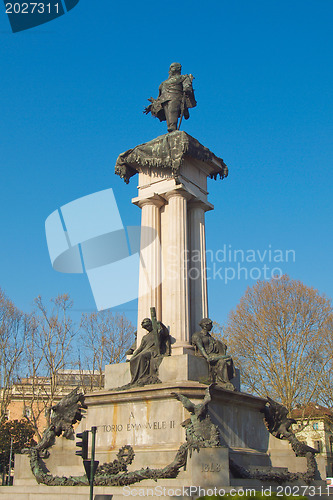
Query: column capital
{"type": "Point", "coordinates": [180, 192]}
{"type": "Point", "coordinates": [204, 205]}
{"type": "Point", "coordinates": [155, 200]}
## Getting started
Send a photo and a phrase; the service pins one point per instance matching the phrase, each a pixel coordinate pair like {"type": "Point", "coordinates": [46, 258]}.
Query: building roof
{"type": "Point", "coordinates": [312, 410]}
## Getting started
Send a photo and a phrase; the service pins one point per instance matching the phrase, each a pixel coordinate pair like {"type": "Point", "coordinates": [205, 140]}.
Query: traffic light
{"type": "Point", "coordinates": [82, 444]}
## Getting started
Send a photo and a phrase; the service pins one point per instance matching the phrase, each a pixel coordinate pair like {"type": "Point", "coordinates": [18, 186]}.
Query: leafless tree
{"type": "Point", "coordinates": [106, 337]}
{"type": "Point", "coordinates": [325, 386]}
{"type": "Point", "coordinates": [13, 329]}
{"type": "Point", "coordinates": [49, 343]}
{"type": "Point", "coordinates": [45, 342]}
{"type": "Point", "coordinates": [280, 336]}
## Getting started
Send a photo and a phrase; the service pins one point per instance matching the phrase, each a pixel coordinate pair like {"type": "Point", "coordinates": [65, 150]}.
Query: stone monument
{"type": "Point", "coordinates": [173, 413]}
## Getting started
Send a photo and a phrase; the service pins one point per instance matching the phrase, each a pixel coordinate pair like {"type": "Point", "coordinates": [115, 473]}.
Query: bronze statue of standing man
{"type": "Point", "coordinates": [175, 97]}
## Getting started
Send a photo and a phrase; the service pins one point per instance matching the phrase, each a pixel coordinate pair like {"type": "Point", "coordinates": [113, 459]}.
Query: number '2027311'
{"type": "Point", "coordinates": [32, 8]}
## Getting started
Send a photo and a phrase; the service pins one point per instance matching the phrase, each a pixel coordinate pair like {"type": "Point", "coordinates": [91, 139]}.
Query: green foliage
{"type": "Point", "coordinates": [22, 433]}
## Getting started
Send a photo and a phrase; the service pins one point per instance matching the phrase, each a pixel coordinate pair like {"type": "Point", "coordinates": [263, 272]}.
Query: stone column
{"type": "Point", "coordinates": [150, 261]}
{"type": "Point", "coordinates": [197, 265]}
{"type": "Point", "coordinates": [175, 281]}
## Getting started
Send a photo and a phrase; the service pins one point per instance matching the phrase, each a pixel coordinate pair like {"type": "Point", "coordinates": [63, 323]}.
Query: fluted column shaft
{"type": "Point", "coordinates": [197, 265]}
{"type": "Point", "coordinates": [176, 315]}
{"type": "Point", "coordinates": [150, 262]}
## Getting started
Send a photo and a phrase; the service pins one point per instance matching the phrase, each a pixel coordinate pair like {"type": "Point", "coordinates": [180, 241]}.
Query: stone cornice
{"type": "Point", "coordinates": [169, 151]}
{"type": "Point", "coordinates": [164, 390]}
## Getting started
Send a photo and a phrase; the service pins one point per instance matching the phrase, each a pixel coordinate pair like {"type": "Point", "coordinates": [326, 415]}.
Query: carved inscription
{"type": "Point", "coordinates": [154, 426]}
{"type": "Point", "coordinates": [212, 467]}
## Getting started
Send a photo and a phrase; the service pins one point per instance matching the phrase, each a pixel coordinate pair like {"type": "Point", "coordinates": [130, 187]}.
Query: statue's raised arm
{"type": "Point", "coordinates": [175, 97]}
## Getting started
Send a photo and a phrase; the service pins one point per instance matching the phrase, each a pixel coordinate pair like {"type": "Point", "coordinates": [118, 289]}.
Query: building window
{"type": "Point", "coordinates": [317, 445]}
{"type": "Point", "coordinates": [315, 426]}
{"type": "Point", "coordinates": [27, 412]}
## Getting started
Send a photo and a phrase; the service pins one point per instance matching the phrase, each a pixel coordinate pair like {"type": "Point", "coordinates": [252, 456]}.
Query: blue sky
{"type": "Point", "coordinates": [72, 96]}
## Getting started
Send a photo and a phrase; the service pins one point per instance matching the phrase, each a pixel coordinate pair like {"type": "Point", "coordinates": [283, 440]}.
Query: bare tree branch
{"type": "Point", "coordinates": [106, 338]}
{"type": "Point", "coordinates": [48, 349]}
{"type": "Point", "coordinates": [281, 336]}
{"type": "Point", "coordinates": [13, 330]}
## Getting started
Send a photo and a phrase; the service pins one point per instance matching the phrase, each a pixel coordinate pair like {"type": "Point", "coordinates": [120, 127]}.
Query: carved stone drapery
{"type": "Point", "coordinates": [168, 152]}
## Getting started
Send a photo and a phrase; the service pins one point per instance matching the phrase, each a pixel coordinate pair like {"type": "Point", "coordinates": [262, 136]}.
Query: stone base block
{"type": "Point", "coordinates": [22, 471]}
{"type": "Point", "coordinates": [183, 367]}
{"type": "Point", "coordinates": [117, 375]}
{"type": "Point", "coordinates": [209, 467]}
{"type": "Point", "coordinates": [150, 419]}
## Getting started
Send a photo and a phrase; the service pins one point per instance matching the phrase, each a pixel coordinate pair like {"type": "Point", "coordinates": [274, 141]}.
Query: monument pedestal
{"type": "Point", "coordinates": [183, 367]}
{"type": "Point", "coordinates": [149, 419]}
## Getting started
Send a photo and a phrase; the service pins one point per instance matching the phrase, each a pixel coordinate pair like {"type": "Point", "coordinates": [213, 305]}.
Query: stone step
{"type": "Point", "coordinates": [265, 468]}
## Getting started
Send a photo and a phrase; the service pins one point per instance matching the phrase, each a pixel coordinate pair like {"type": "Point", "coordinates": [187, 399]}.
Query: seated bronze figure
{"type": "Point", "coordinates": [221, 366]}
{"type": "Point", "coordinates": [147, 358]}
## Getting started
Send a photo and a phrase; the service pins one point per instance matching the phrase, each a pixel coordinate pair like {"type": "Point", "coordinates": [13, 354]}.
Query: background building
{"type": "Point", "coordinates": [33, 397]}
{"type": "Point", "coordinates": [315, 427]}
